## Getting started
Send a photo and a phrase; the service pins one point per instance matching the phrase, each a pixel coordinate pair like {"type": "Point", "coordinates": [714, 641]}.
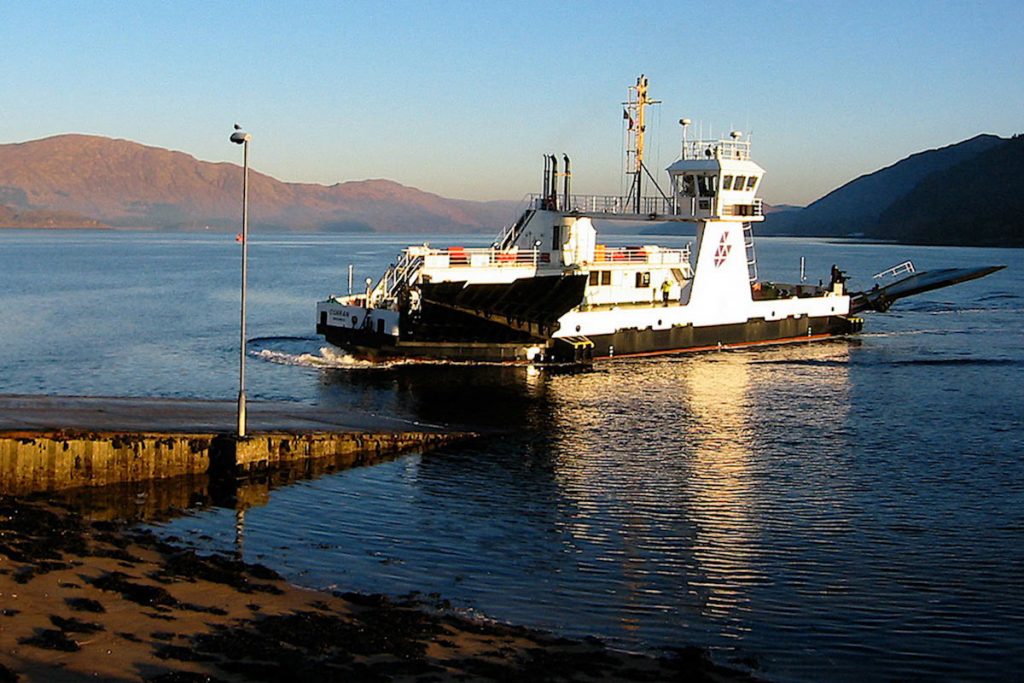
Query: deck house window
{"type": "Point", "coordinates": [595, 278]}
{"type": "Point", "coordinates": [685, 185]}
{"type": "Point", "coordinates": [556, 235]}
{"type": "Point", "coordinates": [643, 279]}
{"type": "Point", "coordinates": [706, 185]}
{"type": "Point", "coordinates": [606, 277]}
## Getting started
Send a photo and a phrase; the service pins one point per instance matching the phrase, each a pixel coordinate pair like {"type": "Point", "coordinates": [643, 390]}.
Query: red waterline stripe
{"type": "Point", "coordinates": [741, 345]}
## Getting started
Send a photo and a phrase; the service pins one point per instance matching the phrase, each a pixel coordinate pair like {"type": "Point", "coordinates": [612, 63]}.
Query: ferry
{"type": "Point", "coordinates": [549, 291]}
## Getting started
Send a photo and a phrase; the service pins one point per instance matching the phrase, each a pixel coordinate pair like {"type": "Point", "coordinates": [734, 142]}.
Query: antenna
{"type": "Point", "coordinates": [635, 112]}
{"type": "Point", "coordinates": [685, 123]}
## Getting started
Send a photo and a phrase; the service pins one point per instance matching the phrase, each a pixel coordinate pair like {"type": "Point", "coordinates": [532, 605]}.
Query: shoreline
{"type": "Point", "coordinates": [82, 599]}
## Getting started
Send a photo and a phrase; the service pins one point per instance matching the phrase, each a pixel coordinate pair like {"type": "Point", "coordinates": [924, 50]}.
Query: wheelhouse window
{"type": "Point", "coordinates": [685, 185]}
{"type": "Point", "coordinates": [727, 182]}
{"type": "Point", "coordinates": [738, 185]}
{"type": "Point", "coordinates": [751, 182]}
{"type": "Point", "coordinates": [707, 185]}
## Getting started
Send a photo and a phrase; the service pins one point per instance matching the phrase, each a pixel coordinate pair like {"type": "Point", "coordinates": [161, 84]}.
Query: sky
{"type": "Point", "coordinates": [463, 98]}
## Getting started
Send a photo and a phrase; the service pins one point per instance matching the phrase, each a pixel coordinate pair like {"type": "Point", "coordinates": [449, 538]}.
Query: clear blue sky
{"type": "Point", "coordinates": [462, 98]}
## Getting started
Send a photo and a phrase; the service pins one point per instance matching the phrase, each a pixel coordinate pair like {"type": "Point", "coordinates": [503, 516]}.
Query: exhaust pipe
{"type": "Point", "coordinates": [546, 184]}
{"type": "Point", "coordinates": [553, 192]}
{"type": "Point", "coordinates": [565, 184]}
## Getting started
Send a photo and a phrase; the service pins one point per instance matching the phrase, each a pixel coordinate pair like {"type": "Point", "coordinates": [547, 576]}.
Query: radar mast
{"type": "Point", "coordinates": [634, 113]}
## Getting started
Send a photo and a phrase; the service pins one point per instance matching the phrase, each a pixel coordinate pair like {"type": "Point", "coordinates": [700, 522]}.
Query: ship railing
{"type": "Point", "coordinates": [455, 257]}
{"type": "Point", "coordinates": [905, 267]}
{"type": "Point", "coordinates": [649, 254]}
{"type": "Point", "coordinates": [507, 236]}
{"type": "Point", "coordinates": [754, 208]}
{"type": "Point", "coordinates": [400, 274]}
{"type": "Point", "coordinates": [467, 257]}
{"type": "Point", "coordinates": [716, 149]}
{"type": "Point", "coordinates": [613, 205]}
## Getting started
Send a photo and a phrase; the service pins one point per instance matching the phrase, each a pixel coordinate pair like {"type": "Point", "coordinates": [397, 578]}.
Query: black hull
{"type": "Point", "coordinates": [623, 343]}
{"type": "Point", "coordinates": [633, 342]}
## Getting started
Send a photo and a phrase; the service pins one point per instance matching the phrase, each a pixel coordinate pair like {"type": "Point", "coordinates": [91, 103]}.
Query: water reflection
{"type": "Point", "coordinates": [721, 485]}
{"type": "Point", "coordinates": [160, 500]}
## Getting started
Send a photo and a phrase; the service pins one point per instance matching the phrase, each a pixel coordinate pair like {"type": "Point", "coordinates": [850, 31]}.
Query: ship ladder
{"type": "Point", "coordinates": [748, 243]}
{"type": "Point", "coordinates": [397, 275]}
{"type": "Point", "coordinates": [508, 238]}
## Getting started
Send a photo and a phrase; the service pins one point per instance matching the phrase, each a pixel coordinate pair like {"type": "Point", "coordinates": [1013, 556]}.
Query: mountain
{"type": "Point", "coordinates": [857, 206]}
{"type": "Point", "coordinates": [15, 218]}
{"type": "Point", "coordinates": [123, 183]}
{"type": "Point", "coordinates": [979, 201]}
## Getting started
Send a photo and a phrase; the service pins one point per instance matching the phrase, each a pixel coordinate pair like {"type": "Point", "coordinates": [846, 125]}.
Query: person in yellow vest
{"type": "Point", "coordinates": [666, 287]}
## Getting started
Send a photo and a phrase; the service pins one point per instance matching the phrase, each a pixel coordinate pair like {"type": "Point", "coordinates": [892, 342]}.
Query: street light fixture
{"type": "Point", "coordinates": [240, 137]}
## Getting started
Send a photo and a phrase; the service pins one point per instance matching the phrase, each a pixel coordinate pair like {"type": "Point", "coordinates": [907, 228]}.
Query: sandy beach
{"type": "Point", "coordinates": [83, 600]}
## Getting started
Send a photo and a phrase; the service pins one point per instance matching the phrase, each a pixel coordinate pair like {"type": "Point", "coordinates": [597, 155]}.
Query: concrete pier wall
{"type": "Point", "coordinates": [49, 461]}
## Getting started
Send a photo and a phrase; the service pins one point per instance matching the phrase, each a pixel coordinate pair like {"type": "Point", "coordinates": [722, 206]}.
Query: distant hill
{"type": "Point", "coordinates": [856, 207]}
{"type": "Point", "coordinates": [979, 201]}
{"type": "Point", "coordinates": [13, 218]}
{"type": "Point", "coordinates": [98, 180]}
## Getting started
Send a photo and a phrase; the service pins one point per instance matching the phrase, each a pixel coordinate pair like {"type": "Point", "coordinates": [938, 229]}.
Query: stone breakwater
{"type": "Point", "coordinates": [34, 462]}
{"type": "Point", "coordinates": [50, 443]}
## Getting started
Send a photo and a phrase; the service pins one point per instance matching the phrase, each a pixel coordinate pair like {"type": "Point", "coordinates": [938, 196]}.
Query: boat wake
{"type": "Point", "coordinates": [311, 352]}
{"type": "Point", "coordinates": [306, 352]}
{"type": "Point", "coordinates": [325, 358]}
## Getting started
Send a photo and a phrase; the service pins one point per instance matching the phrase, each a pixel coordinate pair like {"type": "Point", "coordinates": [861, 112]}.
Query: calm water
{"type": "Point", "coordinates": [847, 510]}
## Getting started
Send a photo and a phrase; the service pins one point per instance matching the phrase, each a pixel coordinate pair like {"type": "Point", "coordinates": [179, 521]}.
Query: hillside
{"type": "Point", "coordinates": [857, 206]}
{"type": "Point", "coordinates": [123, 183]}
{"type": "Point", "coordinates": [979, 201]}
{"type": "Point", "coordinates": [13, 218]}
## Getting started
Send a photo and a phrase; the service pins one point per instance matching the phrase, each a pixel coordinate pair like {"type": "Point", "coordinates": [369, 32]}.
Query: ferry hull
{"type": "Point", "coordinates": [648, 342]}
{"type": "Point", "coordinates": [621, 343]}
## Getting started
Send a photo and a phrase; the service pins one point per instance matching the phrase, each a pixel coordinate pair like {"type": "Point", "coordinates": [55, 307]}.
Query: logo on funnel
{"type": "Point", "coordinates": [722, 252]}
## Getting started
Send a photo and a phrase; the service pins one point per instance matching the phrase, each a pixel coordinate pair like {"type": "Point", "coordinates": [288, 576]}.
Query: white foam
{"type": "Point", "coordinates": [327, 357]}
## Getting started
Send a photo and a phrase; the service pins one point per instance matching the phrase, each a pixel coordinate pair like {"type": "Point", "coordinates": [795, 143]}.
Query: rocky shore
{"type": "Point", "coordinates": [85, 600]}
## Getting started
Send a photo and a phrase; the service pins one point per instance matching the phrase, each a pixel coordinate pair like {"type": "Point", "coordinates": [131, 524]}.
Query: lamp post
{"type": "Point", "coordinates": [240, 137]}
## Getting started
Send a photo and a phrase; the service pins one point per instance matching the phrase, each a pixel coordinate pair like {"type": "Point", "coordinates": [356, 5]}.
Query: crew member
{"type": "Point", "coordinates": [666, 287]}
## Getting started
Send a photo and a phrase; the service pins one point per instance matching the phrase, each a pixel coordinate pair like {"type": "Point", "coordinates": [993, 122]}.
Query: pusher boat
{"type": "Point", "coordinates": [547, 289]}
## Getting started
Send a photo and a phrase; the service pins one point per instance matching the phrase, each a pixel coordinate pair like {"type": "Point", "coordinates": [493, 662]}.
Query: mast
{"type": "Point", "coordinates": [636, 104]}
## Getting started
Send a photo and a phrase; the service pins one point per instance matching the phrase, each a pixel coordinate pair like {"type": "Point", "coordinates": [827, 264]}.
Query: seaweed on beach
{"type": "Point", "coordinates": [50, 639]}
{"type": "Point", "coordinates": [116, 582]}
{"type": "Point", "coordinates": [85, 605]}
{"type": "Point", "coordinates": [317, 646]}
{"type": "Point", "coordinates": [189, 565]}
{"type": "Point", "coordinates": [180, 677]}
{"type": "Point", "coordinates": [72, 625]}
{"type": "Point", "coordinates": [32, 534]}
